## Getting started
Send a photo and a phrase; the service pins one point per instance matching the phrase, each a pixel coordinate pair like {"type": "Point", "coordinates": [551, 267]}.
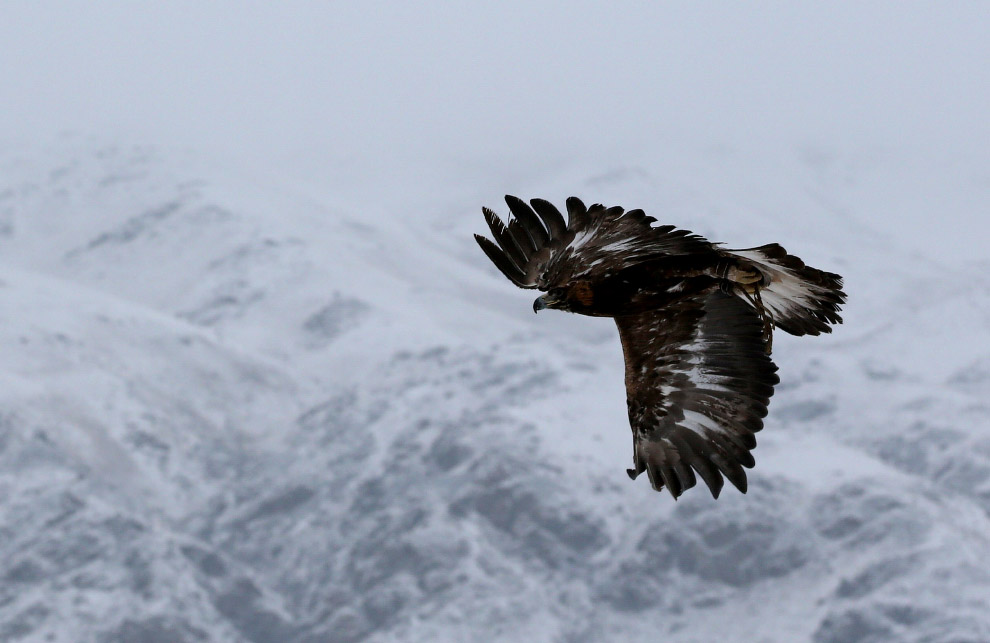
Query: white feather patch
{"type": "Point", "coordinates": [787, 295]}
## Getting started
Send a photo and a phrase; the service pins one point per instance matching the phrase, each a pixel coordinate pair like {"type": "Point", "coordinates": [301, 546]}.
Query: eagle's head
{"type": "Point", "coordinates": [577, 297]}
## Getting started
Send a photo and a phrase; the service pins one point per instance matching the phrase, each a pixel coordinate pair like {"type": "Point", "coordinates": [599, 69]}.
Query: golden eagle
{"type": "Point", "coordinates": [695, 320]}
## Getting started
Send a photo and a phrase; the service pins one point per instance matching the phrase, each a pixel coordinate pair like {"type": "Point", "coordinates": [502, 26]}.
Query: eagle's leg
{"type": "Point", "coordinates": [748, 280]}
{"type": "Point", "coordinates": [752, 293]}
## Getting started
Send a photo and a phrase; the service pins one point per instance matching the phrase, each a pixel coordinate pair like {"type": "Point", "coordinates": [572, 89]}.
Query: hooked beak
{"type": "Point", "coordinates": [546, 301]}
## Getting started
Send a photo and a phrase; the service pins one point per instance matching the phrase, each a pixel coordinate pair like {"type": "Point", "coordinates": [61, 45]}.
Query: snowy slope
{"type": "Point", "coordinates": [238, 409]}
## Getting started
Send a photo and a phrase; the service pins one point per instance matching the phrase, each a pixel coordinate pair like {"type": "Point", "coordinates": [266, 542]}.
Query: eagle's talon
{"type": "Point", "coordinates": [752, 293]}
{"type": "Point", "coordinates": [767, 321]}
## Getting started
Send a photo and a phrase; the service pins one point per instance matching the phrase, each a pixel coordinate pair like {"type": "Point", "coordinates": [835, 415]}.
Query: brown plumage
{"type": "Point", "coordinates": [695, 321]}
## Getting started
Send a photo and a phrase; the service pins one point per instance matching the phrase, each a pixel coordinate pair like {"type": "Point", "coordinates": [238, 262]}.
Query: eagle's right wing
{"type": "Point", "coordinates": [536, 249]}
{"type": "Point", "coordinates": [698, 381]}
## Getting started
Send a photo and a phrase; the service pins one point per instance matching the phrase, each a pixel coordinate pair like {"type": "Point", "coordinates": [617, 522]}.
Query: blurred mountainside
{"type": "Point", "coordinates": [234, 410]}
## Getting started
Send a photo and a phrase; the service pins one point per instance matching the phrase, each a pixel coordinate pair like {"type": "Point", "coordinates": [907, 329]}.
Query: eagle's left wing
{"type": "Point", "coordinates": [698, 381]}
{"type": "Point", "coordinates": [536, 249]}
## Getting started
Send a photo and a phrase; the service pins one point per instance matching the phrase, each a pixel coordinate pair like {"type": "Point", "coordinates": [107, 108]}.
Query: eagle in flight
{"type": "Point", "coordinates": [696, 323]}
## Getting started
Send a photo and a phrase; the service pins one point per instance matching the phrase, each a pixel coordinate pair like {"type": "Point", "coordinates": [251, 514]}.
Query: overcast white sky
{"type": "Point", "coordinates": [416, 78]}
{"type": "Point", "coordinates": [340, 92]}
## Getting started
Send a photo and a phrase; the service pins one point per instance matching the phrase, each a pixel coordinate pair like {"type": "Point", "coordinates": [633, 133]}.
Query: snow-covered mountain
{"type": "Point", "coordinates": [234, 409]}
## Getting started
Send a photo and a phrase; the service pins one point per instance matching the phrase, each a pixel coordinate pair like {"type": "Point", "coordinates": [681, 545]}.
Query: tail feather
{"type": "Point", "coordinates": [802, 300]}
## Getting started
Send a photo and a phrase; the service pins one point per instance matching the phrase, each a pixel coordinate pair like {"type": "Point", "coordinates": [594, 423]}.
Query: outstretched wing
{"type": "Point", "coordinates": [537, 250]}
{"type": "Point", "coordinates": [698, 381]}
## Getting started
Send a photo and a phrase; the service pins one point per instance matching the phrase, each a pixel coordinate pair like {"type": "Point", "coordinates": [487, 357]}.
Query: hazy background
{"type": "Point", "coordinates": [333, 92]}
{"type": "Point", "coordinates": [258, 384]}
